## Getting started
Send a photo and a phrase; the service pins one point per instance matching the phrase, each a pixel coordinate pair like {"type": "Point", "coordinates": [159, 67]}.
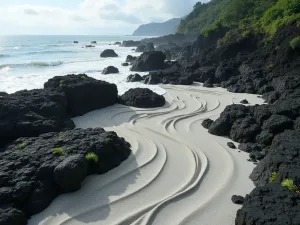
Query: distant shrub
{"type": "Point", "coordinates": [83, 77]}
{"type": "Point", "coordinates": [22, 146]}
{"type": "Point", "coordinates": [61, 83]}
{"type": "Point", "coordinates": [58, 151]}
{"type": "Point", "coordinates": [274, 177]}
{"type": "Point", "coordinates": [60, 137]}
{"type": "Point", "coordinates": [295, 43]}
{"type": "Point", "coordinates": [92, 156]}
{"type": "Point", "coordinates": [289, 183]}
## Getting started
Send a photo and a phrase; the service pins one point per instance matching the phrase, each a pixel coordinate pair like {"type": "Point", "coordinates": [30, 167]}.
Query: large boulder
{"type": "Point", "coordinates": [283, 158]}
{"type": "Point", "coordinates": [145, 48]}
{"type": "Point", "coordinates": [110, 70]}
{"type": "Point", "coordinates": [142, 98]}
{"type": "Point", "coordinates": [130, 43]}
{"type": "Point", "coordinates": [134, 78]}
{"type": "Point", "coordinates": [30, 113]}
{"type": "Point", "coordinates": [33, 171]}
{"type": "Point", "coordinates": [84, 93]}
{"type": "Point", "coordinates": [131, 59]}
{"type": "Point", "coordinates": [12, 216]}
{"type": "Point", "coordinates": [154, 60]}
{"type": "Point", "coordinates": [70, 173]}
{"type": "Point", "coordinates": [108, 53]}
{"type": "Point", "coordinates": [270, 205]}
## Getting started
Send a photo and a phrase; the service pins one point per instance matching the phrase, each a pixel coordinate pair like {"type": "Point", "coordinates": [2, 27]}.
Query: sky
{"type": "Point", "coordinates": [86, 17]}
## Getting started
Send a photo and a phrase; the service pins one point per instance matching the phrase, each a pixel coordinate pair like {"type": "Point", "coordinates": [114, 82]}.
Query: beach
{"type": "Point", "coordinates": [177, 174]}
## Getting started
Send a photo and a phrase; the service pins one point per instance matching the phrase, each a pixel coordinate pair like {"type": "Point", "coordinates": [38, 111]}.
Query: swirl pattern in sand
{"type": "Point", "coordinates": [178, 173]}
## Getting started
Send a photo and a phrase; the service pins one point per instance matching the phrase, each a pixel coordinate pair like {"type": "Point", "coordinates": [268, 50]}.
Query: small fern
{"type": "Point", "coordinates": [289, 183]}
{"type": "Point", "coordinates": [273, 177]}
{"type": "Point", "coordinates": [60, 137]}
{"type": "Point", "coordinates": [295, 43]}
{"type": "Point", "coordinates": [61, 83]}
{"type": "Point", "coordinates": [58, 151]}
{"type": "Point", "coordinates": [92, 156]}
{"type": "Point", "coordinates": [22, 146]}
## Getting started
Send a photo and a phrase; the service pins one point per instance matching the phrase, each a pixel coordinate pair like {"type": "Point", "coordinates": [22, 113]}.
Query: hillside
{"type": "Point", "coordinates": [264, 16]}
{"type": "Point", "coordinates": [158, 29]}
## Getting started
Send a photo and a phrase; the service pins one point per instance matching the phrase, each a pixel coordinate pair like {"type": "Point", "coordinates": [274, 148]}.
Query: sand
{"type": "Point", "coordinates": [177, 174]}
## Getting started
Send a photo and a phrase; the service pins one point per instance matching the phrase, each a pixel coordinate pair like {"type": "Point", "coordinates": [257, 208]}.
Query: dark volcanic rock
{"type": "Point", "coordinates": [282, 158]}
{"type": "Point", "coordinates": [245, 101]}
{"type": "Point", "coordinates": [108, 53]}
{"type": "Point", "coordinates": [277, 124]}
{"type": "Point", "coordinates": [12, 216]}
{"type": "Point", "coordinates": [149, 61]}
{"type": "Point", "coordinates": [140, 48]}
{"type": "Point", "coordinates": [270, 205]}
{"type": "Point", "coordinates": [110, 70]}
{"type": "Point", "coordinates": [69, 174]}
{"type": "Point", "coordinates": [142, 98]}
{"type": "Point", "coordinates": [93, 42]}
{"type": "Point", "coordinates": [84, 93]}
{"type": "Point", "coordinates": [207, 123]}
{"type": "Point", "coordinates": [237, 199]}
{"type": "Point", "coordinates": [2, 93]}
{"type": "Point", "coordinates": [117, 43]}
{"type": "Point", "coordinates": [131, 59]}
{"type": "Point", "coordinates": [90, 46]}
{"type": "Point", "coordinates": [134, 78]}
{"type": "Point", "coordinates": [36, 175]}
{"type": "Point", "coordinates": [75, 42]}
{"type": "Point", "coordinates": [209, 83]}
{"type": "Point", "coordinates": [125, 64]}
{"type": "Point", "coordinates": [231, 145]}
{"type": "Point", "coordinates": [130, 43]}
{"type": "Point", "coordinates": [30, 113]}
{"type": "Point", "coordinates": [145, 48]}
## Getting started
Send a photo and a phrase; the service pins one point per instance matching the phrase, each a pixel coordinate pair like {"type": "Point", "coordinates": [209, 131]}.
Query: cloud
{"type": "Point", "coordinates": [92, 15]}
{"type": "Point", "coordinates": [30, 11]}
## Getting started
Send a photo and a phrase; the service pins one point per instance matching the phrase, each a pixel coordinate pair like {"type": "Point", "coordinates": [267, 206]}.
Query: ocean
{"type": "Point", "coordinates": [27, 62]}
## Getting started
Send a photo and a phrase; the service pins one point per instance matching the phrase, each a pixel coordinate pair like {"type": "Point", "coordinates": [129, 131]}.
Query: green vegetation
{"type": "Point", "coordinates": [270, 66]}
{"type": "Point", "coordinates": [289, 183]}
{"type": "Point", "coordinates": [83, 77]}
{"type": "Point", "coordinates": [274, 177]}
{"type": "Point", "coordinates": [22, 146]}
{"type": "Point", "coordinates": [58, 151]}
{"type": "Point", "coordinates": [61, 83]}
{"type": "Point", "coordinates": [244, 16]}
{"type": "Point", "coordinates": [92, 156]}
{"type": "Point", "coordinates": [295, 43]}
{"type": "Point", "coordinates": [60, 137]}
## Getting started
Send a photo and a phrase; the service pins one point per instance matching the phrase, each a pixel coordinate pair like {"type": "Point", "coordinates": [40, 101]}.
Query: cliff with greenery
{"type": "Point", "coordinates": [246, 16]}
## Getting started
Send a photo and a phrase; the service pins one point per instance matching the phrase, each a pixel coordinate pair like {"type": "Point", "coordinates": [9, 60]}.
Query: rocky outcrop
{"type": "Point", "coordinates": [93, 42]}
{"type": "Point", "coordinates": [270, 205]}
{"type": "Point", "coordinates": [149, 61]}
{"type": "Point", "coordinates": [130, 43]}
{"type": "Point", "coordinates": [30, 113]}
{"type": "Point", "coordinates": [110, 70]}
{"type": "Point", "coordinates": [134, 78]}
{"type": "Point", "coordinates": [145, 48]}
{"type": "Point", "coordinates": [131, 59]}
{"type": "Point", "coordinates": [75, 42]}
{"type": "Point", "coordinates": [142, 98]}
{"type": "Point", "coordinates": [125, 64]}
{"type": "Point", "coordinates": [207, 123]}
{"type": "Point", "coordinates": [90, 46]}
{"type": "Point", "coordinates": [2, 93]}
{"type": "Point", "coordinates": [117, 43]}
{"type": "Point", "coordinates": [35, 170]}
{"type": "Point", "coordinates": [107, 53]}
{"type": "Point", "coordinates": [83, 93]}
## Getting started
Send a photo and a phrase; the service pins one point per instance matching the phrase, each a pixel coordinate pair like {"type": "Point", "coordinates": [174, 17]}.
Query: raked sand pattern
{"type": "Point", "coordinates": [178, 173]}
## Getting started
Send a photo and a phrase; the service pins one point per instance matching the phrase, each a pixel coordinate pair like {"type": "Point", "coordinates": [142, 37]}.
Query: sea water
{"type": "Point", "coordinates": [27, 62]}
